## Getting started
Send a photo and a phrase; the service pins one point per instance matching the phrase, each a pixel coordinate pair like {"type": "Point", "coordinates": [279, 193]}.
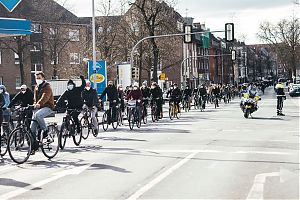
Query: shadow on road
{"type": "Point", "coordinates": [113, 168]}
{"type": "Point", "coordinates": [12, 182]}
{"type": "Point", "coordinates": [121, 139]}
{"type": "Point", "coordinates": [267, 118]}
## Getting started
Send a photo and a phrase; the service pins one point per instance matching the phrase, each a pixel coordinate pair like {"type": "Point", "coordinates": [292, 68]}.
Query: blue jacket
{"type": "Point", "coordinates": [6, 96]}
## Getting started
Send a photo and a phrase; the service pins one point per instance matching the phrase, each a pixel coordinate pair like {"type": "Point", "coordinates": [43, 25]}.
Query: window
{"type": "Point", "coordinates": [180, 26]}
{"type": "Point", "coordinates": [0, 57]}
{"type": "Point", "coordinates": [100, 29]}
{"type": "Point", "coordinates": [74, 35]}
{"type": "Point", "coordinates": [52, 33]}
{"type": "Point", "coordinates": [74, 58]}
{"type": "Point", "coordinates": [36, 28]}
{"type": "Point", "coordinates": [53, 59]}
{"type": "Point", "coordinates": [1, 80]}
{"type": "Point", "coordinates": [17, 59]}
{"type": "Point", "coordinates": [134, 27]}
{"type": "Point", "coordinates": [18, 82]}
{"type": "Point", "coordinates": [36, 47]}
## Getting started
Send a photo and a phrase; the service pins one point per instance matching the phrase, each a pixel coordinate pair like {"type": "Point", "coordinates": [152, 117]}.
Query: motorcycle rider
{"type": "Point", "coordinates": [280, 97]}
{"type": "Point", "coordinates": [73, 96]}
{"type": "Point", "coordinates": [90, 101]}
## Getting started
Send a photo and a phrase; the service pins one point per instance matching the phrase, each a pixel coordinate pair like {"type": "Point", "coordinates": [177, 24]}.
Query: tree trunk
{"type": "Point", "coordinates": [155, 52]}
{"type": "Point", "coordinates": [21, 61]}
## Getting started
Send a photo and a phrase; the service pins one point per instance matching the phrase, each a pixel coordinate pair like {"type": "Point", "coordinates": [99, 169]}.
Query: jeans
{"type": "Point", "coordinates": [38, 119]}
{"type": "Point", "coordinates": [94, 111]}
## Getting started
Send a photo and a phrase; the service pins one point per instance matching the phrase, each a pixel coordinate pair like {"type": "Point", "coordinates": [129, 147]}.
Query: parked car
{"type": "Point", "coordinates": [294, 90]}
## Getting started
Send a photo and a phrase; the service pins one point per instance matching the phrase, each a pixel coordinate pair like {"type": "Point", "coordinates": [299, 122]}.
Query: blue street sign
{"type": "Point", "coordinates": [101, 75]}
{"type": "Point", "coordinates": [12, 27]}
{"type": "Point", "coordinates": [10, 5]}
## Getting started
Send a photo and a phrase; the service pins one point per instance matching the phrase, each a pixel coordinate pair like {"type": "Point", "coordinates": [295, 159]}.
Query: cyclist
{"type": "Point", "coordinates": [135, 94]}
{"type": "Point", "coordinates": [6, 112]}
{"type": "Point", "coordinates": [73, 96]}
{"type": "Point", "coordinates": [280, 97]}
{"type": "Point", "coordinates": [43, 104]}
{"type": "Point", "coordinates": [146, 95]}
{"type": "Point", "coordinates": [23, 98]}
{"type": "Point", "coordinates": [121, 95]}
{"type": "Point", "coordinates": [156, 95]}
{"type": "Point", "coordinates": [203, 95]}
{"type": "Point", "coordinates": [176, 96]}
{"type": "Point", "coordinates": [187, 94]}
{"type": "Point", "coordinates": [112, 96]}
{"type": "Point", "coordinates": [90, 101]}
{"type": "Point", "coordinates": [216, 92]}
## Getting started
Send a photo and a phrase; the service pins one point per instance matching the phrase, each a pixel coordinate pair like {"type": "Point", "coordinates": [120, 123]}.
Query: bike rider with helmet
{"type": "Point", "coordinates": [156, 95]}
{"type": "Point", "coordinates": [136, 94]}
{"type": "Point", "coordinates": [280, 97]}
{"type": "Point", "coordinates": [90, 101]}
{"type": "Point", "coordinates": [112, 96]}
{"type": "Point", "coordinates": [44, 104]}
{"type": "Point", "coordinates": [74, 100]}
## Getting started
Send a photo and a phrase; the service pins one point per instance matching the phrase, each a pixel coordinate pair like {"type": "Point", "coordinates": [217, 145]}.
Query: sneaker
{"type": "Point", "coordinates": [281, 114]}
{"type": "Point", "coordinates": [96, 131]}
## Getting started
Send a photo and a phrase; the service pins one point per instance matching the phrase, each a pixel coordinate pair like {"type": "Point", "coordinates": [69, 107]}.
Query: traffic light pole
{"type": "Point", "coordinates": [163, 36]}
{"type": "Point", "coordinates": [185, 69]}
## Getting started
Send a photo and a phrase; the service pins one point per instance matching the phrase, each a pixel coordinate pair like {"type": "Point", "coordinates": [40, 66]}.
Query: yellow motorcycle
{"type": "Point", "coordinates": [249, 104]}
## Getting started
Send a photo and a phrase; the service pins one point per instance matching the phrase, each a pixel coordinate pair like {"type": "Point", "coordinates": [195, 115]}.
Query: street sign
{"type": "Point", "coordinates": [101, 77]}
{"type": "Point", "coordinates": [162, 76]}
{"type": "Point", "coordinates": [10, 5]}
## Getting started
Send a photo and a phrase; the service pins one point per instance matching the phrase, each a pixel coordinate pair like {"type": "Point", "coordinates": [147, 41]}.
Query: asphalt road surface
{"type": "Point", "coordinates": [216, 154]}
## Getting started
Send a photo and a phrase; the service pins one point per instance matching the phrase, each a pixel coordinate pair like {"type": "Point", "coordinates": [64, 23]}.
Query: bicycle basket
{"type": "Point", "coordinates": [131, 103]}
{"type": "Point", "coordinates": [106, 105]}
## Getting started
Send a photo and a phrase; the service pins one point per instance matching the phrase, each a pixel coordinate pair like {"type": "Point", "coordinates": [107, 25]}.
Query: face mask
{"type": "Point", "coordinates": [175, 87]}
{"type": "Point", "coordinates": [152, 87]}
{"type": "Point", "coordinates": [87, 88]}
{"type": "Point", "coordinates": [39, 81]}
{"type": "Point", "coordinates": [1, 91]}
{"type": "Point", "coordinates": [121, 89]}
{"type": "Point", "coordinates": [135, 88]}
{"type": "Point", "coordinates": [23, 91]}
{"type": "Point", "coordinates": [70, 87]}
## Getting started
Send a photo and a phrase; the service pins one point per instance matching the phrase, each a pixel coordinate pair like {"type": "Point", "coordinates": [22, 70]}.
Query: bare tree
{"type": "Point", "coordinates": [284, 38]}
{"type": "Point", "coordinates": [154, 15]}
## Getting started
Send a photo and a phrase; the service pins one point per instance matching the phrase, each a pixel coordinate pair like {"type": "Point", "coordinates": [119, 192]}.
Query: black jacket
{"type": "Point", "coordinates": [176, 93]}
{"type": "Point", "coordinates": [111, 92]}
{"type": "Point", "coordinates": [22, 99]}
{"type": "Point", "coordinates": [156, 93]}
{"type": "Point", "coordinates": [146, 92]}
{"type": "Point", "coordinates": [2, 102]}
{"type": "Point", "coordinates": [202, 91]}
{"type": "Point", "coordinates": [73, 97]}
{"type": "Point", "coordinates": [90, 97]}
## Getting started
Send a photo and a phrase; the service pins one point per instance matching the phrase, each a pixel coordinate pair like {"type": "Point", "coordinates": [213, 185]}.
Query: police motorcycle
{"type": "Point", "coordinates": [249, 103]}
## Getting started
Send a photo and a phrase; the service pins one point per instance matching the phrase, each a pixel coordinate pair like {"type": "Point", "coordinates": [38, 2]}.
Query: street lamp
{"type": "Point", "coordinates": [94, 46]}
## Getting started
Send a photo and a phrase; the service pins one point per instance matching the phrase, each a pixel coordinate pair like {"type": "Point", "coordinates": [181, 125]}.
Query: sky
{"type": "Point", "coordinates": [245, 14]}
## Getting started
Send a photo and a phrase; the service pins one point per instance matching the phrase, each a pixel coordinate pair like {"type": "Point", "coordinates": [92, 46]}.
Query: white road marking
{"type": "Point", "coordinates": [74, 171]}
{"type": "Point", "coordinates": [162, 176]}
{"type": "Point", "coordinates": [257, 190]}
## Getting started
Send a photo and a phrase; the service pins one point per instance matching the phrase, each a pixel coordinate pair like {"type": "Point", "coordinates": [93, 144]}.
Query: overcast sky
{"type": "Point", "coordinates": [246, 14]}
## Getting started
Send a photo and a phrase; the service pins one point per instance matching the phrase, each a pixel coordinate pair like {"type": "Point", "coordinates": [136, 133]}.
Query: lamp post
{"type": "Point", "coordinates": [94, 46]}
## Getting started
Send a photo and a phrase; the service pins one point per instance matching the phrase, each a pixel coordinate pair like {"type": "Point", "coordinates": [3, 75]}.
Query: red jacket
{"type": "Point", "coordinates": [135, 95]}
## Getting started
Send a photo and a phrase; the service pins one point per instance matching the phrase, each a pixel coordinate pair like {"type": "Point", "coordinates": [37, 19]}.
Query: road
{"type": "Point", "coordinates": [216, 154]}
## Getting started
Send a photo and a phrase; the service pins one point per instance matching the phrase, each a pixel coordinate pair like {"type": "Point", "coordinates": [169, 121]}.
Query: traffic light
{"type": "Point", "coordinates": [233, 55]}
{"type": "Point", "coordinates": [135, 73]}
{"type": "Point", "coordinates": [229, 32]}
{"type": "Point", "coordinates": [188, 30]}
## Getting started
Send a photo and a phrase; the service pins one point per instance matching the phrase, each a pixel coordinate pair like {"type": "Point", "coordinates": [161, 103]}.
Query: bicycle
{"type": "Point", "coordinates": [87, 125]}
{"type": "Point", "coordinates": [196, 102]}
{"type": "Point", "coordinates": [174, 110]}
{"type": "Point", "coordinates": [7, 128]}
{"type": "Point", "coordinates": [108, 111]}
{"type": "Point", "coordinates": [215, 100]}
{"type": "Point", "coordinates": [68, 130]}
{"type": "Point", "coordinates": [186, 103]}
{"type": "Point", "coordinates": [134, 114]}
{"type": "Point", "coordinates": [154, 110]}
{"type": "Point", "coordinates": [145, 110]}
{"type": "Point", "coordinates": [20, 141]}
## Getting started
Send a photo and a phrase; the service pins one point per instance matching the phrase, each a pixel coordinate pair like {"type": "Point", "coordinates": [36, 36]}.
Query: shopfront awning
{"type": "Point", "coordinates": [14, 27]}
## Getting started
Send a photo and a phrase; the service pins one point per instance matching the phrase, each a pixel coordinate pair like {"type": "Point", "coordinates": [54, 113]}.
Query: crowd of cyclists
{"type": "Point", "coordinates": [118, 103]}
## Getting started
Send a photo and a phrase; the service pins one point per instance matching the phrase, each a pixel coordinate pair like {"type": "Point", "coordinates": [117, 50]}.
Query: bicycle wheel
{"type": "Point", "coordinates": [114, 121]}
{"type": "Point", "coordinates": [178, 112]}
{"type": "Point", "coordinates": [104, 122]}
{"type": "Point", "coordinates": [3, 143]}
{"type": "Point", "coordinates": [19, 145]}
{"type": "Point", "coordinates": [62, 137]}
{"type": "Point", "coordinates": [145, 120]}
{"type": "Point", "coordinates": [171, 112]}
{"type": "Point", "coordinates": [120, 118]}
{"type": "Point", "coordinates": [131, 120]}
{"type": "Point", "coordinates": [77, 136]}
{"type": "Point", "coordinates": [138, 119]}
{"type": "Point", "coordinates": [84, 127]}
{"type": "Point", "coordinates": [153, 113]}
{"type": "Point", "coordinates": [50, 145]}
{"type": "Point", "coordinates": [95, 131]}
